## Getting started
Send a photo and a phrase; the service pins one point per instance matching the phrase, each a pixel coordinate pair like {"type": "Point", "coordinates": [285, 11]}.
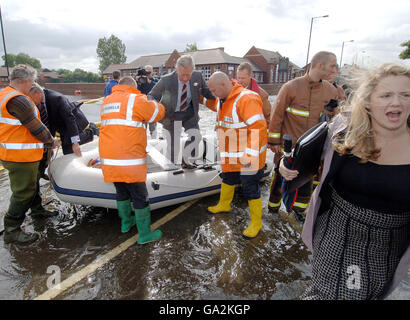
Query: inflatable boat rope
{"type": "Point", "coordinates": [185, 187]}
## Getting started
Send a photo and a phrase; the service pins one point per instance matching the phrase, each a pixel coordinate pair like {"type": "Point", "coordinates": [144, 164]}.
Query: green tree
{"type": "Point", "coordinates": [110, 51]}
{"type": "Point", "coordinates": [79, 75]}
{"type": "Point", "coordinates": [191, 47]}
{"type": "Point", "coordinates": [21, 58]}
{"type": "Point", "coordinates": [405, 54]}
{"type": "Point", "coordinates": [11, 60]}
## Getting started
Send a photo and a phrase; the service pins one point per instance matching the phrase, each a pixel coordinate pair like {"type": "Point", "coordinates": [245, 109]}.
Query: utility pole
{"type": "Point", "coordinates": [341, 56]}
{"type": "Point", "coordinates": [310, 36]}
{"type": "Point", "coordinates": [4, 44]}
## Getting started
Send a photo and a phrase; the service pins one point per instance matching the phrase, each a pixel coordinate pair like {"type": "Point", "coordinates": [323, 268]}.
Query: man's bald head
{"type": "Point", "coordinates": [219, 77]}
{"type": "Point", "coordinates": [220, 84]}
{"type": "Point", "coordinates": [128, 81]}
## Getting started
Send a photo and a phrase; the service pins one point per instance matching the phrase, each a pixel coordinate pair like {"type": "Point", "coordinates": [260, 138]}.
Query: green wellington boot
{"type": "Point", "coordinates": [14, 234]}
{"type": "Point", "coordinates": [19, 237]}
{"type": "Point", "coordinates": [125, 213]}
{"type": "Point", "coordinates": [41, 212]}
{"type": "Point", "coordinates": [143, 221]}
{"type": "Point", "coordinates": [12, 222]}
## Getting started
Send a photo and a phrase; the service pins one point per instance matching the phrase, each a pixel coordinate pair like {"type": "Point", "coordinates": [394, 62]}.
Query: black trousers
{"type": "Point", "coordinates": [302, 198]}
{"type": "Point", "coordinates": [181, 120]}
{"type": "Point", "coordinates": [249, 182]}
{"type": "Point", "coordinates": [136, 192]}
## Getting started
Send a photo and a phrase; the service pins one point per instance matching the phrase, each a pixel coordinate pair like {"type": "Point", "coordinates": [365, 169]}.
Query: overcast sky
{"type": "Point", "coordinates": [64, 34]}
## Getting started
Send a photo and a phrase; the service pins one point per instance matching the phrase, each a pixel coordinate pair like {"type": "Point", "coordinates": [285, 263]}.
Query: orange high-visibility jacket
{"type": "Point", "coordinates": [123, 138]}
{"type": "Point", "coordinates": [17, 144]}
{"type": "Point", "coordinates": [242, 131]}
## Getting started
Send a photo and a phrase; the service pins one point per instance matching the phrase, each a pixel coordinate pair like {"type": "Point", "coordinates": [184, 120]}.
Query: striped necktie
{"type": "Point", "coordinates": [184, 96]}
{"type": "Point", "coordinates": [43, 114]}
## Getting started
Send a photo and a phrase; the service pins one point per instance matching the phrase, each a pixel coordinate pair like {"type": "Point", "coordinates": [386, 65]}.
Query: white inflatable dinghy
{"type": "Point", "coordinates": [77, 183]}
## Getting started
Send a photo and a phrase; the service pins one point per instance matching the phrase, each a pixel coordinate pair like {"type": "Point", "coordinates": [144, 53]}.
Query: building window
{"type": "Point", "coordinates": [258, 76]}
{"type": "Point", "coordinates": [217, 68]}
{"type": "Point", "coordinates": [4, 79]}
{"type": "Point", "coordinates": [206, 72]}
{"type": "Point", "coordinates": [285, 76]}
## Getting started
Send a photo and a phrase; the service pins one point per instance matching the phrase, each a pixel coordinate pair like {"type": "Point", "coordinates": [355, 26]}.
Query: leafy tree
{"type": "Point", "coordinates": [191, 47]}
{"type": "Point", "coordinates": [79, 75]}
{"type": "Point", "coordinates": [405, 54]}
{"type": "Point", "coordinates": [21, 58]}
{"type": "Point", "coordinates": [11, 60]}
{"type": "Point", "coordinates": [110, 51]}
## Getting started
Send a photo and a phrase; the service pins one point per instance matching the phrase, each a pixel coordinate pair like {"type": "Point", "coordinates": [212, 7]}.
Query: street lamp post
{"type": "Point", "coordinates": [341, 56]}
{"type": "Point", "coordinates": [310, 35]}
{"type": "Point", "coordinates": [363, 52]}
{"type": "Point", "coordinates": [4, 45]}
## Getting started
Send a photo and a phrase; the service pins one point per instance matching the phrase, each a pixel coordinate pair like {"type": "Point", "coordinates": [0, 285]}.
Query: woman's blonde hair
{"type": "Point", "coordinates": [359, 138]}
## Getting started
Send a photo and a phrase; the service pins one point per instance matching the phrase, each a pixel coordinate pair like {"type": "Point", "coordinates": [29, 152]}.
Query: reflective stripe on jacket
{"type": "Point", "coordinates": [242, 131]}
{"type": "Point", "coordinates": [17, 144]}
{"type": "Point", "coordinates": [123, 138]}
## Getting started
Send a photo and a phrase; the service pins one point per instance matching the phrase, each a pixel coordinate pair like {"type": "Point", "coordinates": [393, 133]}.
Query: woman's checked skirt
{"type": "Point", "coordinates": [356, 251]}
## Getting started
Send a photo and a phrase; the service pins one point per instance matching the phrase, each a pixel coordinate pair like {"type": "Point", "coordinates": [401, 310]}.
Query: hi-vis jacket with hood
{"type": "Point", "coordinates": [242, 131]}
{"type": "Point", "coordinates": [298, 107]}
{"type": "Point", "coordinates": [123, 138]}
{"type": "Point", "coordinates": [17, 144]}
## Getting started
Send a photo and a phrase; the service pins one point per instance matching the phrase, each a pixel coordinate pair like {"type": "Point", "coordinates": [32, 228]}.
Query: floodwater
{"type": "Point", "coordinates": [200, 256]}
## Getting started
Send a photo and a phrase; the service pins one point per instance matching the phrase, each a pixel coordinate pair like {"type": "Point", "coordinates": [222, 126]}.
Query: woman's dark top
{"type": "Point", "coordinates": [374, 186]}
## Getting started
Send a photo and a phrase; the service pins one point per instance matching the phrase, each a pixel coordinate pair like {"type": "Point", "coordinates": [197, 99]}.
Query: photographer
{"type": "Point", "coordinates": [145, 82]}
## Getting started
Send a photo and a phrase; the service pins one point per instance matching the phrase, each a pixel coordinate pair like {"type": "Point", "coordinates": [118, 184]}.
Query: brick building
{"type": "Point", "coordinates": [4, 79]}
{"type": "Point", "coordinates": [270, 68]}
{"type": "Point", "coordinates": [43, 76]}
{"type": "Point", "coordinates": [278, 69]}
{"type": "Point", "coordinates": [47, 76]}
{"type": "Point", "coordinates": [207, 61]}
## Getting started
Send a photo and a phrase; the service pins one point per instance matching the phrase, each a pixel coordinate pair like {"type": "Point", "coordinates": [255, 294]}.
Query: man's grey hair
{"type": "Point", "coordinates": [23, 72]}
{"type": "Point", "coordinates": [35, 88]}
{"type": "Point", "coordinates": [185, 61]}
{"type": "Point", "coordinates": [148, 67]}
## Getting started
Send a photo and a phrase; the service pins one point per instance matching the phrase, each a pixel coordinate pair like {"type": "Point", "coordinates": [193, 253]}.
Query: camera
{"type": "Point", "coordinates": [333, 103]}
{"type": "Point", "coordinates": [142, 76]}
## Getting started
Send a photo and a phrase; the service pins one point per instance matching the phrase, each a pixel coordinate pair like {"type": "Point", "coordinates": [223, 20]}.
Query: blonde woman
{"type": "Point", "coordinates": [358, 220]}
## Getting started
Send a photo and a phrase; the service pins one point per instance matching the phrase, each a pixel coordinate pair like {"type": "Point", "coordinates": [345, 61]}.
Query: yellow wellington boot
{"type": "Point", "coordinates": [255, 209]}
{"type": "Point", "coordinates": [225, 199]}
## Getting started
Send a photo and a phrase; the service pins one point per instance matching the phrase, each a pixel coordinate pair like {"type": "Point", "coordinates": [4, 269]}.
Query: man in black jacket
{"type": "Point", "coordinates": [64, 117]}
{"type": "Point", "coordinates": [146, 81]}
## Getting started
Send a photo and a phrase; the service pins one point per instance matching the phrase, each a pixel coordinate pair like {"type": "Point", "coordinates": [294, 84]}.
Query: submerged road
{"type": "Point", "coordinates": [200, 256]}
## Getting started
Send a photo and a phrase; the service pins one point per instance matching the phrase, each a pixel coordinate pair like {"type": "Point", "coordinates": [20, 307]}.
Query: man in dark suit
{"type": "Point", "coordinates": [64, 117]}
{"type": "Point", "coordinates": [180, 93]}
